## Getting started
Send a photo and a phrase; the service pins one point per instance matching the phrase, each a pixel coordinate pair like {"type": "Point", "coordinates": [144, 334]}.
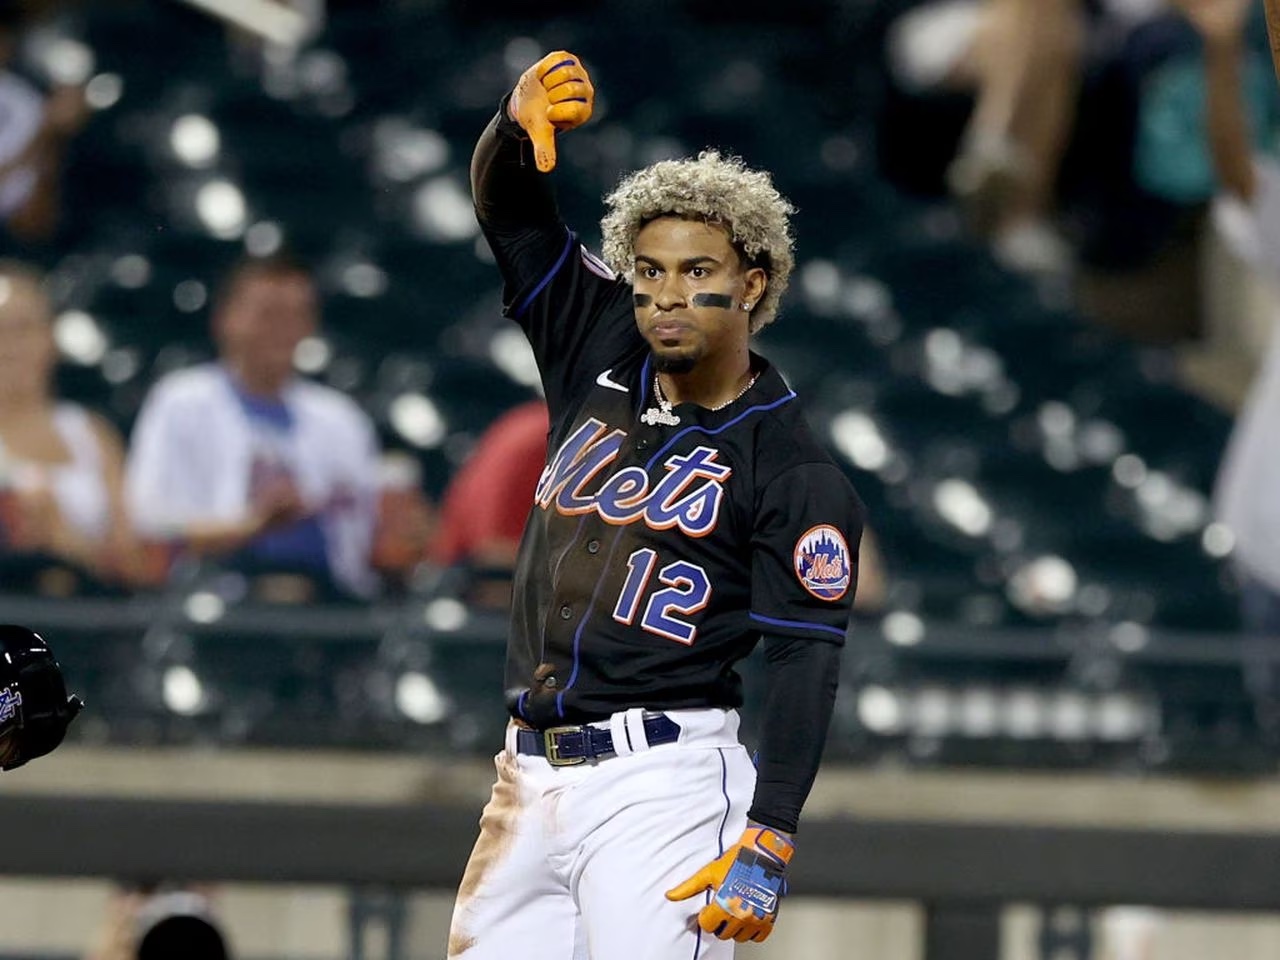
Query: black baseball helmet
{"type": "Point", "coordinates": [35, 710]}
{"type": "Point", "coordinates": [179, 923]}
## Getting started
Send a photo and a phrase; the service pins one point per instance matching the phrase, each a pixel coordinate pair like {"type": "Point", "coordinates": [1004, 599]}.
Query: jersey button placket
{"type": "Point", "coordinates": [593, 546]}
{"type": "Point", "coordinates": [566, 612]}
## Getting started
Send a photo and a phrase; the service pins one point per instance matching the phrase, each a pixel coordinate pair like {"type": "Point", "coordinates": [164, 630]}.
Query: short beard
{"type": "Point", "coordinates": [674, 365]}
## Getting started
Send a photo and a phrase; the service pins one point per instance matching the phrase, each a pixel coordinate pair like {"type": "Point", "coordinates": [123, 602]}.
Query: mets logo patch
{"type": "Point", "coordinates": [10, 701]}
{"type": "Point", "coordinates": [822, 562]}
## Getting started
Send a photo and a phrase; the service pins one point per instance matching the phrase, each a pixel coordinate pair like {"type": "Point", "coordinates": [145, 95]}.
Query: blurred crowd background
{"type": "Point", "coordinates": [266, 443]}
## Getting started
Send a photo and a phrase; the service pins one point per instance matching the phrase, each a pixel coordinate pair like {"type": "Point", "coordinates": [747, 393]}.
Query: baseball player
{"type": "Point", "coordinates": [35, 710]}
{"type": "Point", "coordinates": [684, 514]}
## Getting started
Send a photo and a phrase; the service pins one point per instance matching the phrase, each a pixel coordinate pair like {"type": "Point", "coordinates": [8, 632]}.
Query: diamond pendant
{"type": "Point", "coordinates": [656, 416]}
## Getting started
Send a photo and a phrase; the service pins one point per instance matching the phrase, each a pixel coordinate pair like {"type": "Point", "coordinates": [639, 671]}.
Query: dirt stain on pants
{"type": "Point", "coordinates": [497, 833]}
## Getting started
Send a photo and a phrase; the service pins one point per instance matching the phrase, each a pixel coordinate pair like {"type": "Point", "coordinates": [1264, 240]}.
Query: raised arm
{"type": "Point", "coordinates": [575, 311]}
{"type": "Point", "coordinates": [509, 193]}
{"type": "Point", "coordinates": [1221, 24]}
{"type": "Point", "coordinates": [514, 201]}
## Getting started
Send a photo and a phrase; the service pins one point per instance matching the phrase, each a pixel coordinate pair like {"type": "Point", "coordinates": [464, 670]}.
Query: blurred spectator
{"type": "Point", "coordinates": [245, 461]}
{"type": "Point", "coordinates": [406, 522]}
{"type": "Point", "coordinates": [483, 513]}
{"type": "Point", "coordinates": [179, 923]}
{"type": "Point", "coordinates": [160, 925]}
{"type": "Point", "coordinates": [1080, 145]}
{"type": "Point", "coordinates": [1027, 64]}
{"type": "Point", "coordinates": [61, 467]}
{"type": "Point", "coordinates": [34, 129]}
{"type": "Point", "coordinates": [1248, 489]}
{"type": "Point", "coordinates": [484, 509]}
{"type": "Point", "coordinates": [1021, 60]}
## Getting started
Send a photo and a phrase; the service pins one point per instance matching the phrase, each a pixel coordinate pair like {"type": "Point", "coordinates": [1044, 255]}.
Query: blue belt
{"type": "Point", "coordinates": [567, 746]}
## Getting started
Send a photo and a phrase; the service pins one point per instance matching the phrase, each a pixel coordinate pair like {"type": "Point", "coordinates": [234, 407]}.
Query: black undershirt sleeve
{"type": "Point", "coordinates": [510, 194]}
{"type": "Point", "coordinates": [801, 676]}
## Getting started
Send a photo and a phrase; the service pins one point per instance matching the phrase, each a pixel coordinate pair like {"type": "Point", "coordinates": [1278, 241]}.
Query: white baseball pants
{"type": "Point", "coordinates": [572, 862]}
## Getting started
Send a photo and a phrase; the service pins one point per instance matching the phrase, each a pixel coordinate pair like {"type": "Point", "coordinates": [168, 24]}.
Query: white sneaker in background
{"type": "Point", "coordinates": [925, 45]}
{"type": "Point", "coordinates": [1034, 247]}
{"type": "Point", "coordinates": [987, 178]}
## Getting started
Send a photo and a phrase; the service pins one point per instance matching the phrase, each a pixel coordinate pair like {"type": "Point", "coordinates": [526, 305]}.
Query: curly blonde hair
{"type": "Point", "coordinates": [713, 189]}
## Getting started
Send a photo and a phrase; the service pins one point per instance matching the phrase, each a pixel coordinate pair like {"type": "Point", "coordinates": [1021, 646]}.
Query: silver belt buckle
{"type": "Point", "coordinates": [551, 746]}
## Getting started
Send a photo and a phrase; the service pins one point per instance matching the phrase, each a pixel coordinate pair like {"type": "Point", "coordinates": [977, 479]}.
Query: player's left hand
{"type": "Point", "coordinates": [747, 884]}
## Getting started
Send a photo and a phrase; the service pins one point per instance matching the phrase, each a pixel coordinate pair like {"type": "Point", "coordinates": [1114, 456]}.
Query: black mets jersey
{"type": "Point", "coordinates": [655, 555]}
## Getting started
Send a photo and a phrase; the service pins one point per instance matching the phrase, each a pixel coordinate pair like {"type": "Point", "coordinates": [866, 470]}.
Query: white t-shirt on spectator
{"type": "Point", "coordinates": [78, 486]}
{"type": "Point", "coordinates": [195, 451]}
{"type": "Point", "coordinates": [1247, 498]}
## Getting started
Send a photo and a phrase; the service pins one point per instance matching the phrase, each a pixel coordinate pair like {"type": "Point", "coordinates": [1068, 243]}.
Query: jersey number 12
{"type": "Point", "coordinates": [687, 591]}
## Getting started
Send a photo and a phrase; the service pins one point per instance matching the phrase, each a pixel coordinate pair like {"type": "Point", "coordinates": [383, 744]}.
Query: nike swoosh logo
{"type": "Point", "coordinates": [604, 381]}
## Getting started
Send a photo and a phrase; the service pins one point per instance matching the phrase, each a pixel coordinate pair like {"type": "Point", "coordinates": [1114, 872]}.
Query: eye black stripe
{"type": "Point", "coordinates": [721, 300]}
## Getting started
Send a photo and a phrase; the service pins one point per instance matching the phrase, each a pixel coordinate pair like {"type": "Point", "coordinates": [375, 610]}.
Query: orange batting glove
{"type": "Point", "coordinates": [747, 884]}
{"type": "Point", "coordinates": [554, 94]}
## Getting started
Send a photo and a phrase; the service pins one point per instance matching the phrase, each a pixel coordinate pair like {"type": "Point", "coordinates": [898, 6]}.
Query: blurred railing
{"type": "Point", "coordinates": [426, 673]}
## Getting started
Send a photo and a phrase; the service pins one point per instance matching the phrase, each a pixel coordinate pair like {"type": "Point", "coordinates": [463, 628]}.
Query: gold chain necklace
{"type": "Point", "coordinates": [665, 414]}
